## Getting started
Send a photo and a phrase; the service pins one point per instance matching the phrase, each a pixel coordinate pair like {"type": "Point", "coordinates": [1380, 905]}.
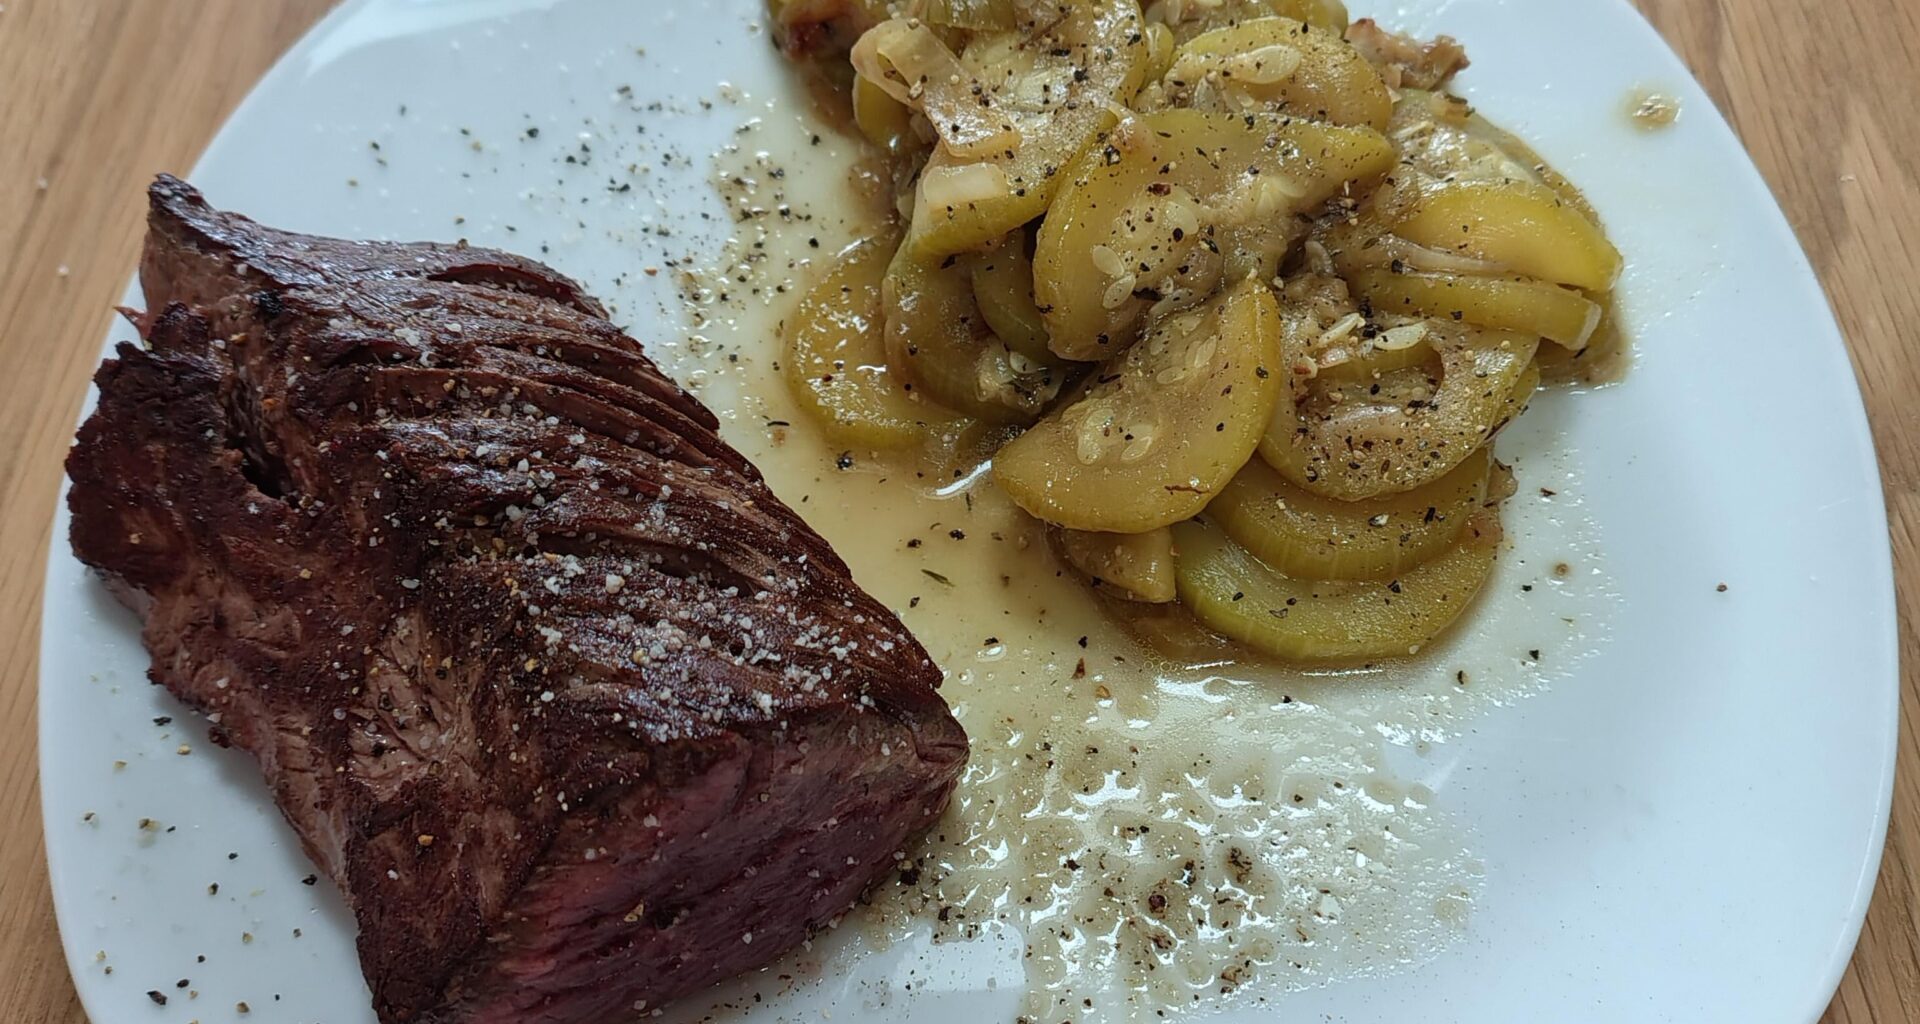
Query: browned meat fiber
{"type": "Point", "coordinates": [578, 716]}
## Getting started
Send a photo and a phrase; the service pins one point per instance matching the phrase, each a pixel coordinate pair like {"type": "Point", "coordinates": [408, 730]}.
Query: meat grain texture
{"type": "Point", "coordinates": [578, 716]}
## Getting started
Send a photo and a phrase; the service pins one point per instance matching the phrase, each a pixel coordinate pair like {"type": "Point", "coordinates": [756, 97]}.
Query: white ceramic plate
{"type": "Point", "coordinates": [1686, 828]}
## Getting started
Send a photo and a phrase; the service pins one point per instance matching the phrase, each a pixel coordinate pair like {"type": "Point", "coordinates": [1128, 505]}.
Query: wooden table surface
{"type": "Point", "coordinates": [97, 95]}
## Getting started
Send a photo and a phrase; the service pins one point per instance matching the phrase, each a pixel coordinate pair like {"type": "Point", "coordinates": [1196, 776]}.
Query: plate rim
{"type": "Point", "coordinates": [1834, 347]}
{"type": "Point", "coordinates": [1883, 658]}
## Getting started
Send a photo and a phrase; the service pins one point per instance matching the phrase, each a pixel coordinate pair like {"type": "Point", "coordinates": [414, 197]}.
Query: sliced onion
{"type": "Point", "coordinates": [911, 64]}
{"type": "Point", "coordinates": [1387, 249]}
{"type": "Point", "coordinates": [958, 186]}
{"type": "Point", "coordinates": [876, 54]}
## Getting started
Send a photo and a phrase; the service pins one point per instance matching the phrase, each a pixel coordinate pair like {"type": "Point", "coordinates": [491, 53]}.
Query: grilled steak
{"type": "Point", "coordinates": [577, 715]}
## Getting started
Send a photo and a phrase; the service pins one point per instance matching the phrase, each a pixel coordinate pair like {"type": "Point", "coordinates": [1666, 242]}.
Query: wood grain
{"type": "Point", "coordinates": [96, 95]}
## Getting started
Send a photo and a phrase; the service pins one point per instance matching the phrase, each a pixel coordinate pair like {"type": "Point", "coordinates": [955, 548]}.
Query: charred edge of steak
{"type": "Point", "coordinates": [559, 694]}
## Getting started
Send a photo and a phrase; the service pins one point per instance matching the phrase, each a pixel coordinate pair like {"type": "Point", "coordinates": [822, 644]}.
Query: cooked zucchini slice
{"type": "Point", "coordinates": [1175, 201]}
{"type": "Point", "coordinates": [1328, 621]}
{"type": "Point", "coordinates": [836, 362]}
{"type": "Point", "coordinates": [973, 15]}
{"type": "Point", "coordinates": [1564, 317]}
{"type": "Point", "coordinates": [1162, 427]}
{"type": "Point", "coordinates": [1200, 18]}
{"type": "Point", "coordinates": [1134, 566]}
{"type": "Point", "coordinates": [1403, 429]}
{"type": "Point", "coordinates": [1003, 287]}
{"type": "Point", "coordinates": [1011, 110]}
{"type": "Point", "coordinates": [1305, 535]}
{"type": "Point", "coordinates": [940, 344]}
{"type": "Point", "coordinates": [1279, 65]}
{"type": "Point", "coordinates": [883, 120]}
{"type": "Point", "coordinates": [1526, 227]}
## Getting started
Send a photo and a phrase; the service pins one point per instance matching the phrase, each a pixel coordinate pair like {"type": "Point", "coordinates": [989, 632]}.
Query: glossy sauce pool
{"type": "Point", "coordinates": [1141, 836]}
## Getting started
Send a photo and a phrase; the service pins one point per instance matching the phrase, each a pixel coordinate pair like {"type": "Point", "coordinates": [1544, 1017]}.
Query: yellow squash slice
{"type": "Point", "coordinates": [974, 15]}
{"type": "Point", "coordinates": [1308, 536]}
{"type": "Point", "coordinates": [836, 362]}
{"type": "Point", "coordinates": [883, 120]}
{"type": "Point", "coordinates": [1525, 227]}
{"type": "Point", "coordinates": [1133, 566]}
{"type": "Point", "coordinates": [1328, 621]}
{"type": "Point", "coordinates": [1011, 110]}
{"type": "Point", "coordinates": [1175, 201]}
{"type": "Point", "coordinates": [1442, 136]}
{"type": "Point", "coordinates": [1160, 49]}
{"type": "Point", "coordinates": [1163, 427]}
{"type": "Point", "coordinates": [1200, 18]}
{"type": "Point", "coordinates": [1566, 318]}
{"type": "Point", "coordinates": [938, 341]}
{"type": "Point", "coordinates": [1404, 429]}
{"type": "Point", "coordinates": [1279, 65]}
{"type": "Point", "coordinates": [1003, 288]}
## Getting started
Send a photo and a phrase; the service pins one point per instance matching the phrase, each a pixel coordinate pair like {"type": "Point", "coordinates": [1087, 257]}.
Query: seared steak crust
{"type": "Point", "coordinates": [573, 710]}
